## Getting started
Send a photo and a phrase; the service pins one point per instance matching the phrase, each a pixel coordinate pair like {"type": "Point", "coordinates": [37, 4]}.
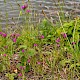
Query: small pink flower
{"type": "Point", "coordinates": [42, 36]}
{"type": "Point", "coordinates": [64, 35]}
{"type": "Point", "coordinates": [73, 43]}
{"type": "Point", "coordinates": [23, 50]}
{"type": "Point", "coordinates": [28, 60]}
{"type": "Point", "coordinates": [58, 45]}
{"type": "Point", "coordinates": [28, 11]}
{"type": "Point", "coordinates": [13, 35]}
{"type": "Point", "coordinates": [4, 55]}
{"type": "Point", "coordinates": [20, 74]}
{"type": "Point", "coordinates": [35, 45]}
{"type": "Point", "coordinates": [14, 40]}
{"type": "Point", "coordinates": [38, 62]}
{"type": "Point", "coordinates": [24, 6]}
{"type": "Point", "coordinates": [58, 40]}
{"type": "Point", "coordinates": [3, 34]}
{"type": "Point", "coordinates": [22, 67]}
{"type": "Point", "coordinates": [17, 35]}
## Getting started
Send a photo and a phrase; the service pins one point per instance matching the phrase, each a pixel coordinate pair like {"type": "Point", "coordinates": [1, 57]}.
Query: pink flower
{"type": "Point", "coordinates": [24, 6]}
{"type": "Point", "coordinates": [42, 36]}
{"type": "Point", "coordinates": [35, 45]}
{"type": "Point", "coordinates": [22, 67]}
{"type": "Point", "coordinates": [73, 43]}
{"type": "Point", "coordinates": [4, 55]}
{"type": "Point", "coordinates": [20, 74]}
{"type": "Point", "coordinates": [14, 40]}
{"type": "Point", "coordinates": [28, 11]}
{"type": "Point", "coordinates": [17, 35]}
{"type": "Point", "coordinates": [13, 35]}
{"type": "Point", "coordinates": [3, 34]}
{"type": "Point", "coordinates": [38, 62]}
{"type": "Point", "coordinates": [58, 40]}
{"type": "Point", "coordinates": [64, 35]}
{"type": "Point", "coordinates": [28, 60]}
{"type": "Point", "coordinates": [23, 50]}
{"type": "Point", "coordinates": [58, 45]}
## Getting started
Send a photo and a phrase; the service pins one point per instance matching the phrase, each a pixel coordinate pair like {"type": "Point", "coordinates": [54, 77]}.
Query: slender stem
{"type": "Point", "coordinates": [74, 30]}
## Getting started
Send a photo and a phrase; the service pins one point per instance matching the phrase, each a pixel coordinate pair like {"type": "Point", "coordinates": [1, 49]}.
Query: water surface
{"type": "Point", "coordinates": [9, 10]}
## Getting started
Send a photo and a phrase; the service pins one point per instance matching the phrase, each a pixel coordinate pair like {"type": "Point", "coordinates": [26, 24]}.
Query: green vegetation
{"type": "Point", "coordinates": [44, 52]}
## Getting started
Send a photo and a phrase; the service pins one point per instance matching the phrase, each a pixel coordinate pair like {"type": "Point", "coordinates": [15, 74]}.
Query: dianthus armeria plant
{"type": "Point", "coordinates": [25, 10]}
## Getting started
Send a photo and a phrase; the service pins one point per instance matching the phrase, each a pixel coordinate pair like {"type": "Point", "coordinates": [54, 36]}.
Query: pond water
{"type": "Point", "coordinates": [10, 9]}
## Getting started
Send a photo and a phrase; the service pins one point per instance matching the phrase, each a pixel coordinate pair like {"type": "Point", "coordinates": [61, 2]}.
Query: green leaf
{"type": "Point", "coordinates": [20, 13]}
{"type": "Point", "coordinates": [31, 52]}
{"type": "Point", "coordinates": [78, 64]}
{"type": "Point", "coordinates": [72, 66]}
{"type": "Point", "coordinates": [63, 62]}
{"type": "Point", "coordinates": [23, 46]}
{"type": "Point", "coordinates": [10, 76]}
{"type": "Point", "coordinates": [23, 60]}
{"type": "Point", "coordinates": [27, 68]}
{"type": "Point", "coordinates": [13, 74]}
{"type": "Point", "coordinates": [49, 36]}
{"type": "Point", "coordinates": [59, 30]}
{"type": "Point", "coordinates": [1, 67]}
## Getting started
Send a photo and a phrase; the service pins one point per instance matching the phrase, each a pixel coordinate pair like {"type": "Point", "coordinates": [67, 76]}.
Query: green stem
{"type": "Point", "coordinates": [74, 30]}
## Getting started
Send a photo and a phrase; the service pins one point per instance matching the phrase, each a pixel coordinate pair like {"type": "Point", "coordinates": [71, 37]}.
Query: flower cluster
{"type": "Point", "coordinates": [38, 62]}
{"type": "Point", "coordinates": [4, 55]}
{"type": "Point", "coordinates": [14, 37]}
{"type": "Point", "coordinates": [28, 60]}
{"type": "Point", "coordinates": [23, 50]}
{"type": "Point", "coordinates": [3, 34]}
{"type": "Point", "coordinates": [24, 6]}
{"type": "Point", "coordinates": [57, 40]}
{"type": "Point", "coordinates": [28, 11]}
{"type": "Point", "coordinates": [42, 36]}
{"type": "Point", "coordinates": [20, 74]}
{"type": "Point", "coordinates": [22, 67]}
{"type": "Point", "coordinates": [35, 45]}
{"type": "Point", "coordinates": [73, 43]}
{"type": "Point", "coordinates": [64, 35]}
